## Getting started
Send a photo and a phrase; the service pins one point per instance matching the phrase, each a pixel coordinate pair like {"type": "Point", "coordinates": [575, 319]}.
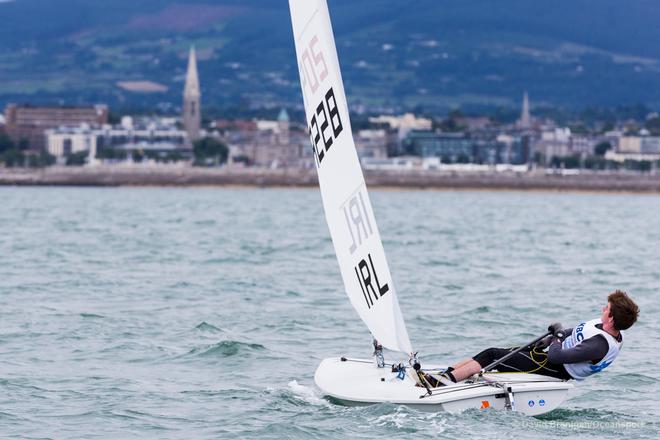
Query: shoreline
{"type": "Point", "coordinates": [177, 176]}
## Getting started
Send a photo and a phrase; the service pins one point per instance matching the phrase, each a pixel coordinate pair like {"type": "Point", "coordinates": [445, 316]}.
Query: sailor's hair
{"type": "Point", "coordinates": [623, 310]}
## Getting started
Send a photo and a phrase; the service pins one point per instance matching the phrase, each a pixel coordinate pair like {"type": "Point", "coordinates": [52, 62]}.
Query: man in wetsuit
{"type": "Point", "coordinates": [575, 353]}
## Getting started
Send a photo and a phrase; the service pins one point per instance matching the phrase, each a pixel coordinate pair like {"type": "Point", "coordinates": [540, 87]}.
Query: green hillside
{"type": "Point", "coordinates": [431, 54]}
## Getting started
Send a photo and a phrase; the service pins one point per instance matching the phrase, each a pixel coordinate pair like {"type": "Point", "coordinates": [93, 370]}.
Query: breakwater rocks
{"type": "Point", "coordinates": [420, 179]}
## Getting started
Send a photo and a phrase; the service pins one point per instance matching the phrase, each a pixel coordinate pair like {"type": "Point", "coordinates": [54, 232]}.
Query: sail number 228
{"type": "Point", "coordinates": [325, 126]}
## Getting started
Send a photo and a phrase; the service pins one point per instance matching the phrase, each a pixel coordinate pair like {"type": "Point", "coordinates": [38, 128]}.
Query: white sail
{"type": "Point", "coordinates": [346, 202]}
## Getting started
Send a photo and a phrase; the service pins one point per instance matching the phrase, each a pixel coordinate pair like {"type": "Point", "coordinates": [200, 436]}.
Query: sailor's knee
{"type": "Point", "coordinates": [486, 356]}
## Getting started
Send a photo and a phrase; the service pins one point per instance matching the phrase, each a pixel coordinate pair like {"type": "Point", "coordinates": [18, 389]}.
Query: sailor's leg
{"type": "Point", "coordinates": [461, 363]}
{"type": "Point", "coordinates": [465, 369]}
{"type": "Point", "coordinates": [435, 379]}
{"type": "Point", "coordinates": [469, 367]}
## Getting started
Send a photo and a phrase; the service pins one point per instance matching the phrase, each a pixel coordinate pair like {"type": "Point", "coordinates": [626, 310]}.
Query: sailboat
{"type": "Point", "coordinates": [362, 262]}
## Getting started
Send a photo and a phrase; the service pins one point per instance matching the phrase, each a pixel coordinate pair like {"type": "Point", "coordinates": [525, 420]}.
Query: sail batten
{"type": "Point", "coordinates": [346, 202]}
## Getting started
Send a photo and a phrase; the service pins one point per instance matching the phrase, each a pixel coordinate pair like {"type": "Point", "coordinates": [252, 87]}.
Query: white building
{"type": "Point", "coordinates": [639, 145]}
{"type": "Point", "coordinates": [371, 144]}
{"type": "Point", "coordinates": [630, 145]}
{"type": "Point", "coordinates": [554, 143]}
{"type": "Point", "coordinates": [63, 141]}
{"type": "Point", "coordinates": [584, 145]}
{"type": "Point", "coordinates": [403, 124]}
{"type": "Point", "coordinates": [152, 137]}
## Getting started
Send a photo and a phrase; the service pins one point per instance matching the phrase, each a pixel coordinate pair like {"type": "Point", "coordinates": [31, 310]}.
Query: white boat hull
{"type": "Point", "coordinates": [361, 382]}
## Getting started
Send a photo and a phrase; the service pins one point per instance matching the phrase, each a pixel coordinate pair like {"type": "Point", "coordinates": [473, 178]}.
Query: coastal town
{"type": "Point", "coordinates": [92, 145]}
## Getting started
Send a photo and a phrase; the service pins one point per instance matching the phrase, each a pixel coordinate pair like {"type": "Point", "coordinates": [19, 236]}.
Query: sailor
{"type": "Point", "coordinates": [574, 353]}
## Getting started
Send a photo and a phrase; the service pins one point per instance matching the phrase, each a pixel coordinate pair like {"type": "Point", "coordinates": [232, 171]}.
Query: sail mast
{"type": "Point", "coordinates": [346, 203]}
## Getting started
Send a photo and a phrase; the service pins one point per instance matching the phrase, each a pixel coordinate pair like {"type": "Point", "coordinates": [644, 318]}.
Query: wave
{"type": "Point", "coordinates": [206, 327]}
{"type": "Point", "coordinates": [567, 414]}
{"type": "Point", "coordinates": [307, 394]}
{"type": "Point", "coordinates": [91, 315]}
{"type": "Point", "coordinates": [399, 420]}
{"type": "Point", "coordinates": [225, 349]}
{"type": "Point", "coordinates": [634, 379]}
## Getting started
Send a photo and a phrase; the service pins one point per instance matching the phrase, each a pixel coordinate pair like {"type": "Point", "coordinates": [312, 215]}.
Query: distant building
{"type": "Point", "coordinates": [371, 144]}
{"type": "Point", "coordinates": [561, 142]}
{"type": "Point", "coordinates": [267, 143]}
{"type": "Point", "coordinates": [235, 125]}
{"type": "Point", "coordinates": [28, 123]}
{"type": "Point", "coordinates": [449, 146]}
{"type": "Point", "coordinates": [152, 138]}
{"type": "Point", "coordinates": [284, 124]}
{"type": "Point", "coordinates": [630, 144]}
{"type": "Point", "coordinates": [500, 149]}
{"type": "Point", "coordinates": [584, 145]}
{"type": "Point", "coordinates": [512, 149]}
{"type": "Point", "coordinates": [63, 141]}
{"type": "Point", "coordinates": [650, 145]}
{"type": "Point", "coordinates": [403, 124]}
{"type": "Point", "coordinates": [641, 148]}
{"type": "Point", "coordinates": [473, 123]}
{"type": "Point", "coordinates": [488, 148]}
{"type": "Point", "coordinates": [639, 145]}
{"type": "Point", "coordinates": [398, 128]}
{"type": "Point", "coordinates": [192, 117]}
{"type": "Point", "coordinates": [553, 143]}
{"type": "Point", "coordinates": [613, 137]}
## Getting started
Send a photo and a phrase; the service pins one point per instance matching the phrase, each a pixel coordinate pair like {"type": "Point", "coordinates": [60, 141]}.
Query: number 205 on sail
{"type": "Point", "coordinates": [325, 125]}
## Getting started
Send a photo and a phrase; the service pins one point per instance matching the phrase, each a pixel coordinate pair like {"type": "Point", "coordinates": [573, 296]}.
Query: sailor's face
{"type": "Point", "coordinates": [605, 317]}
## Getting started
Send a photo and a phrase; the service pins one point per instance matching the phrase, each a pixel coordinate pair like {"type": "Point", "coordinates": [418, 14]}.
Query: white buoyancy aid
{"type": "Point", "coordinates": [582, 332]}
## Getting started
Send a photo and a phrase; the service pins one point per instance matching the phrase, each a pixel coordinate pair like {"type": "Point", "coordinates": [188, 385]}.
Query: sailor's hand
{"type": "Point", "coordinates": [543, 343]}
{"type": "Point", "coordinates": [556, 329]}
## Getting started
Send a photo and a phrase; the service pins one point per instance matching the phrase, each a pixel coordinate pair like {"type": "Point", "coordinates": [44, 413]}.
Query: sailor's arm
{"type": "Point", "coordinates": [592, 349]}
{"type": "Point", "coordinates": [545, 343]}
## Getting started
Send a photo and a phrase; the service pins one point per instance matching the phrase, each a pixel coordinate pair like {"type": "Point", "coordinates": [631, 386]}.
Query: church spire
{"type": "Point", "coordinates": [525, 117]}
{"type": "Point", "coordinates": [191, 98]}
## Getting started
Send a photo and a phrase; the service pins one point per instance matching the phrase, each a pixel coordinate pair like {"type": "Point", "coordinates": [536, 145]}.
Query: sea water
{"type": "Point", "coordinates": [204, 312]}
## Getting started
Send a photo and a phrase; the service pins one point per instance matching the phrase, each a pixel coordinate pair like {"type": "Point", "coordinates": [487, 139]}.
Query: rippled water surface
{"type": "Point", "coordinates": [203, 313]}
